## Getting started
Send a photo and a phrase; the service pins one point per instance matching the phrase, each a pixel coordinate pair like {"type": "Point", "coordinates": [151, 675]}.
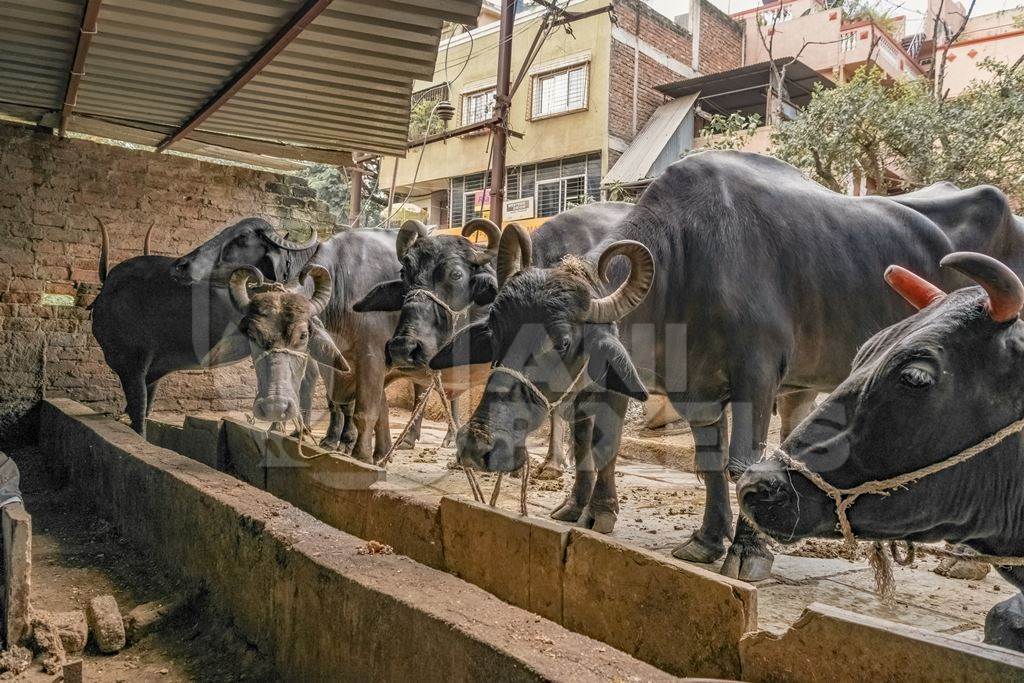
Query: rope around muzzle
{"type": "Point", "coordinates": [549, 406]}
{"type": "Point", "coordinates": [301, 428]}
{"type": "Point", "coordinates": [844, 498]}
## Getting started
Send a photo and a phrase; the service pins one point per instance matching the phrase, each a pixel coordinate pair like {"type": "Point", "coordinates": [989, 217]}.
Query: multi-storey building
{"type": "Point", "coordinates": [580, 104]}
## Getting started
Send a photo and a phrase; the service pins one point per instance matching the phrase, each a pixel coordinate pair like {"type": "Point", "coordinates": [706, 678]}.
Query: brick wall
{"type": "Point", "coordinates": [720, 49]}
{"type": "Point", "coordinates": [50, 197]}
{"type": "Point", "coordinates": [721, 40]}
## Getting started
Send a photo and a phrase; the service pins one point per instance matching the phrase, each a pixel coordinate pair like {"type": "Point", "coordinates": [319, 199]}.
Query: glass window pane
{"type": "Point", "coordinates": [549, 198]}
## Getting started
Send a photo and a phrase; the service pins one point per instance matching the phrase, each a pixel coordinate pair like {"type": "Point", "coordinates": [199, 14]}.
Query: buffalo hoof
{"type": "Point", "coordinates": [449, 439]}
{"type": "Point", "coordinates": [968, 570]}
{"type": "Point", "coordinates": [406, 444]}
{"type": "Point", "coordinates": [696, 549]}
{"type": "Point", "coordinates": [601, 521]}
{"type": "Point", "coordinates": [569, 511]}
{"type": "Point", "coordinates": [1004, 624]}
{"type": "Point", "coordinates": [329, 444]}
{"type": "Point", "coordinates": [747, 564]}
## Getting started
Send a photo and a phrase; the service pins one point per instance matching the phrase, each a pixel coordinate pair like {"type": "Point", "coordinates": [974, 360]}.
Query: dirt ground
{"type": "Point", "coordinates": [661, 506]}
{"type": "Point", "coordinates": [77, 556]}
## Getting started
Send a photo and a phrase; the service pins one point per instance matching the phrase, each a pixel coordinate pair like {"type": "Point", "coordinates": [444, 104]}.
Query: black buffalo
{"type": "Point", "coordinates": [920, 391]}
{"type": "Point", "coordinates": [446, 281]}
{"type": "Point", "coordinates": [149, 324]}
{"type": "Point", "coordinates": [765, 286]}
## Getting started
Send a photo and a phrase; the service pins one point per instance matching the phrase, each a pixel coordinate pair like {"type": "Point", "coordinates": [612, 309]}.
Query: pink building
{"type": "Point", "coordinates": [830, 41]}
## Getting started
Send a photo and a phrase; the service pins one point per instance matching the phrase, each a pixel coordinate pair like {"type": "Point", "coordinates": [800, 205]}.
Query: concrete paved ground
{"type": "Point", "coordinates": [660, 506]}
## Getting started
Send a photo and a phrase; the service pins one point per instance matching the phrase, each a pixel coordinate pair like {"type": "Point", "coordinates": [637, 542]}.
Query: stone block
{"type": "Point", "coordinates": [17, 562]}
{"type": "Point", "coordinates": [73, 629]}
{"type": "Point", "coordinates": [685, 620]}
{"type": "Point", "coordinates": [828, 644]}
{"type": "Point", "coordinates": [201, 440]}
{"type": "Point", "coordinates": [106, 624]}
{"type": "Point", "coordinates": [409, 523]}
{"type": "Point", "coordinates": [149, 617]}
{"type": "Point", "coordinates": [519, 559]}
{"type": "Point", "coordinates": [163, 434]}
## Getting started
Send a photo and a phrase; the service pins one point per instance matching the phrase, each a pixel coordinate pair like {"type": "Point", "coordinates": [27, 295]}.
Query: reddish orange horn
{"type": "Point", "coordinates": [915, 289]}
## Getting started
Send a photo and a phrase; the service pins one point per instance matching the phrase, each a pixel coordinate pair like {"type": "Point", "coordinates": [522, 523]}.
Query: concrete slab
{"type": "Point", "coordinates": [17, 559]}
{"type": "Point", "coordinates": [519, 559]}
{"type": "Point", "coordinates": [682, 619]}
{"type": "Point", "coordinates": [201, 440]}
{"type": "Point", "coordinates": [163, 434]}
{"type": "Point", "coordinates": [408, 522]}
{"type": "Point", "coordinates": [828, 644]}
{"type": "Point", "coordinates": [302, 591]}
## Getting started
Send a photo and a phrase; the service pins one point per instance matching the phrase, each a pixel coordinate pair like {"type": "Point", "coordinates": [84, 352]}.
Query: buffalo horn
{"type": "Point", "coordinates": [630, 293]}
{"type": "Point", "coordinates": [488, 228]}
{"type": "Point", "coordinates": [239, 283]}
{"type": "Point", "coordinates": [915, 289]}
{"type": "Point", "coordinates": [410, 231]}
{"type": "Point", "coordinates": [1004, 289]}
{"type": "Point", "coordinates": [322, 291]}
{"type": "Point", "coordinates": [515, 244]}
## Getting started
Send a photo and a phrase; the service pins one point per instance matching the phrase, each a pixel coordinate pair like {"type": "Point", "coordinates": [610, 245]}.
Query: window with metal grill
{"type": "Point", "coordinates": [560, 91]}
{"type": "Point", "coordinates": [478, 106]}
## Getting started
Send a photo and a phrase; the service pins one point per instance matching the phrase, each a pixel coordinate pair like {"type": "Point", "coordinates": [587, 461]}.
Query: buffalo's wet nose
{"type": "Point", "coordinates": [274, 409]}
{"type": "Point", "coordinates": [472, 447]}
{"type": "Point", "coordinates": [765, 483]}
{"type": "Point", "coordinates": [405, 351]}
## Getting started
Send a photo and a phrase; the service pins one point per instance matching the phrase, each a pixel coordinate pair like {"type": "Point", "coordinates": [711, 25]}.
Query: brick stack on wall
{"type": "Point", "coordinates": [721, 49]}
{"type": "Point", "coordinates": [52, 193]}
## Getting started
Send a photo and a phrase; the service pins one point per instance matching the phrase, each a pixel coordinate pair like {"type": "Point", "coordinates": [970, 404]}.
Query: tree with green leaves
{"type": "Point", "coordinates": [899, 136]}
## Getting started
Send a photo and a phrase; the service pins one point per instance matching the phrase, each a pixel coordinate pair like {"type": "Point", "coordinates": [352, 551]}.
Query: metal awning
{"type": "Point", "coordinates": [657, 145]}
{"type": "Point", "coordinates": [743, 88]}
{"type": "Point", "coordinates": [311, 80]}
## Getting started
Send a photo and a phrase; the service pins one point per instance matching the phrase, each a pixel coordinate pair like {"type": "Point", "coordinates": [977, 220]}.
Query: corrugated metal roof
{"type": "Point", "coordinates": [638, 161]}
{"type": "Point", "coordinates": [342, 84]}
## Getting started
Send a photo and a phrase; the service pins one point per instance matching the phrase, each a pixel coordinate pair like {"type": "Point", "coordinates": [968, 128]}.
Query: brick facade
{"type": "Point", "coordinates": [52, 193]}
{"type": "Point", "coordinates": [721, 47]}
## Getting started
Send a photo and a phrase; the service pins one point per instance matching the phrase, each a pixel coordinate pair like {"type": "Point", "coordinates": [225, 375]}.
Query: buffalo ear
{"type": "Point", "coordinates": [323, 349]}
{"type": "Point", "coordinates": [470, 346]}
{"type": "Point", "coordinates": [610, 365]}
{"type": "Point", "coordinates": [483, 287]}
{"type": "Point", "coordinates": [387, 296]}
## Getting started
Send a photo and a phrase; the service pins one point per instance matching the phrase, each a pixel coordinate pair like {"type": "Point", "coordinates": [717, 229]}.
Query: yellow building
{"type": "Point", "coordinates": [579, 104]}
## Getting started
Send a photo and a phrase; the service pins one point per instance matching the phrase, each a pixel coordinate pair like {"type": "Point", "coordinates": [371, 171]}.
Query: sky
{"type": "Point", "coordinates": [913, 9]}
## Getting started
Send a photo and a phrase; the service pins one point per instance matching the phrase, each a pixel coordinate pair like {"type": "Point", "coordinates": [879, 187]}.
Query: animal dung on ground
{"type": "Point", "coordinates": [375, 548]}
{"type": "Point", "coordinates": [106, 624]}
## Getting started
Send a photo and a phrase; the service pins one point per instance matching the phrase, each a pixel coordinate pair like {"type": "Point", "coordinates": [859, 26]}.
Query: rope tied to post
{"type": "Point", "coordinates": [844, 498]}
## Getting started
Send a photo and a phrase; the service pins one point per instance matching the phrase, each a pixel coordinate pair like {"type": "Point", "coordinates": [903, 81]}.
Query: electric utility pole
{"type": "Point", "coordinates": [501, 109]}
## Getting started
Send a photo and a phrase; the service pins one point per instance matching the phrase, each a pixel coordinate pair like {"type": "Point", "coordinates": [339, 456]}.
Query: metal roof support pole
{"type": "Point", "coordinates": [289, 32]}
{"type": "Point", "coordinates": [85, 34]}
{"type": "Point", "coordinates": [501, 109]}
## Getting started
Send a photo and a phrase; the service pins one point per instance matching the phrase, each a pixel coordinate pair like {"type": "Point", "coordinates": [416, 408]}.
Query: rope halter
{"type": "Point", "coordinates": [423, 293]}
{"type": "Point", "coordinates": [549, 406]}
{"type": "Point", "coordinates": [844, 498]}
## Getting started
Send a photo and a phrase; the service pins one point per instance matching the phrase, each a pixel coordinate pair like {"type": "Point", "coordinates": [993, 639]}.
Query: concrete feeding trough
{"type": "Point", "coordinates": [680, 618]}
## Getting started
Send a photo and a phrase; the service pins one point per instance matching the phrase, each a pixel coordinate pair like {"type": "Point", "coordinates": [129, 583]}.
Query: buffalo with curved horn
{"type": "Point", "coordinates": [280, 324]}
{"type": "Point", "coordinates": [149, 323]}
{"type": "Point", "coordinates": [921, 391]}
{"type": "Point", "coordinates": [448, 281]}
{"type": "Point", "coordinates": [765, 286]}
{"type": "Point", "coordinates": [553, 339]}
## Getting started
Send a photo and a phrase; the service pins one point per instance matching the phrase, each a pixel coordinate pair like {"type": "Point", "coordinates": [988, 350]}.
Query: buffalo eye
{"type": "Point", "coordinates": [918, 374]}
{"type": "Point", "coordinates": [455, 275]}
{"type": "Point", "coordinates": [562, 344]}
